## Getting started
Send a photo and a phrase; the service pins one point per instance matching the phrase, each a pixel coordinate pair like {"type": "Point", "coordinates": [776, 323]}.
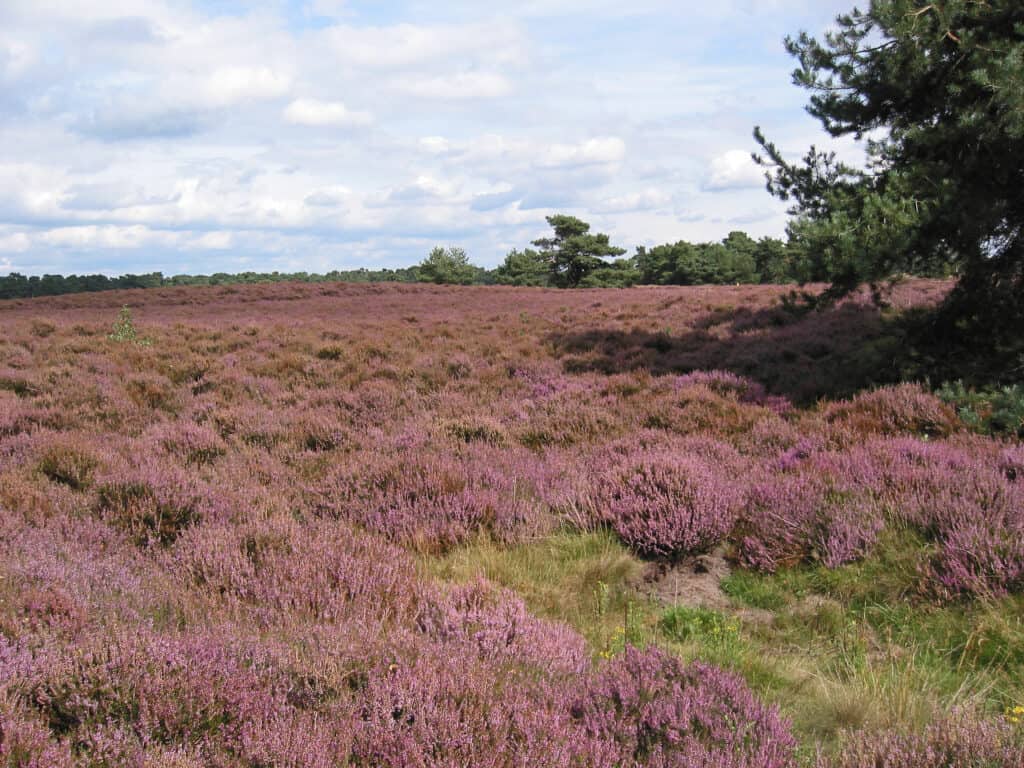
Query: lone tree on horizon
{"type": "Point", "coordinates": [573, 253]}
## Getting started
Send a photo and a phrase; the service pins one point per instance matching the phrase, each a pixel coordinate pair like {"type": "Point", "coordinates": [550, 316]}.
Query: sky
{"type": "Point", "coordinates": [310, 135]}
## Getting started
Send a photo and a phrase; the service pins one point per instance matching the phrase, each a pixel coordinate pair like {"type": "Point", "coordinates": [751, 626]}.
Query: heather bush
{"type": "Point", "coordinates": [729, 384]}
{"type": "Point", "coordinates": [152, 501]}
{"type": "Point", "coordinates": [432, 502]}
{"type": "Point", "coordinates": [1011, 462]}
{"type": "Point", "coordinates": [25, 742]}
{"type": "Point", "coordinates": [68, 463]}
{"type": "Point", "coordinates": [498, 628]}
{"type": "Point", "coordinates": [111, 699]}
{"type": "Point", "coordinates": [195, 444]}
{"type": "Point", "coordinates": [654, 710]}
{"type": "Point", "coordinates": [663, 503]}
{"type": "Point", "coordinates": [324, 570]}
{"type": "Point", "coordinates": [968, 505]}
{"type": "Point", "coordinates": [434, 709]}
{"type": "Point", "coordinates": [957, 741]}
{"type": "Point", "coordinates": [807, 515]}
{"type": "Point", "coordinates": [895, 410]}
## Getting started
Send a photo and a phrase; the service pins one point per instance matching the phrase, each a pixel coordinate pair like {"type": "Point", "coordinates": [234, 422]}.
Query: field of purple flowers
{"type": "Point", "coordinates": [293, 525]}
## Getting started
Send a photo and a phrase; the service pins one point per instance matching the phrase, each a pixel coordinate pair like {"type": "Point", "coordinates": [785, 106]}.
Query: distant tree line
{"type": "Point", "coordinates": [18, 286]}
{"type": "Point", "coordinates": [572, 258]}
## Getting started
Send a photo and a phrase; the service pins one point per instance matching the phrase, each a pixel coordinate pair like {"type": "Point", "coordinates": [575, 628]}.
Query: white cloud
{"type": "Point", "coordinates": [17, 242]}
{"type": "Point", "coordinates": [599, 151]}
{"type": "Point", "coordinates": [405, 45]}
{"type": "Point", "coordinates": [110, 236]}
{"type": "Point", "coordinates": [229, 86]}
{"type": "Point", "coordinates": [732, 170]}
{"type": "Point", "coordinates": [214, 241]}
{"type": "Point", "coordinates": [314, 113]}
{"type": "Point", "coordinates": [16, 57]}
{"type": "Point", "coordinates": [435, 145]}
{"type": "Point", "coordinates": [642, 200]}
{"type": "Point", "coordinates": [463, 85]}
{"type": "Point", "coordinates": [155, 128]}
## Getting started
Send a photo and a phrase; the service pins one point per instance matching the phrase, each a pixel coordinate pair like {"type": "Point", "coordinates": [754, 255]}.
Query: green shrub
{"type": "Point", "coordinates": [995, 411]}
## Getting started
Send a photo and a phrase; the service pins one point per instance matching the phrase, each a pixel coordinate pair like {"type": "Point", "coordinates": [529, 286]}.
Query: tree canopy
{"type": "Point", "coordinates": [447, 265]}
{"type": "Point", "coordinates": [573, 253]}
{"type": "Point", "coordinates": [937, 92]}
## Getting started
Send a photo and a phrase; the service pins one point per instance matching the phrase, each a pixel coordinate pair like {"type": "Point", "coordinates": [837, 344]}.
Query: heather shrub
{"type": "Point", "coordinates": [320, 431]}
{"type": "Point", "coordinates": [1011, 462]}
{"type": "Point", "coordinates": [894, 410]}
{"type": "Point", "coordinates": [25, 742]}
{"type": "Point", "coordinates": [332, 352]}
{"type": "Point", "coordinates": [652, 709]}
{"type": "Point", "coordinates": [151, 501]}
{"type": "Point", "coordinates": [957, 741]}
{"type": "Point", "coordinates": [432, 502]}
{"type": "Point", "coordinates": [151, 391]}
{"type": "Point", "coordinates": [433, 708]}
{"type": "Point", "coordinates": [968, 505]}
{"type": "Point", "coordinates": [666, 504]}
{"type": "Point", "coordinates": [69, 464]}
{"type": "Point", "coordinates": [325, 570]}
{"type": "Point", "coordinates": [495, 625]}
{"type": "Point", "coordinates": [168, 690]}
{"type": "Point", "coordinates": [729, 384]}
{"type": "Point", "coordinates": [195, 444]}
{"type": "Point", "coordinates": [482, 431]}
{"type": "Point", "coordinates": [49, 607]}
{"type": "Point", "coordinates": [808, 515]}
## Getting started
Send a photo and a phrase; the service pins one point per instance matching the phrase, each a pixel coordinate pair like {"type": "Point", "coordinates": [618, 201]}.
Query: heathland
{"type": "Point", "coordinates": [365, 525]}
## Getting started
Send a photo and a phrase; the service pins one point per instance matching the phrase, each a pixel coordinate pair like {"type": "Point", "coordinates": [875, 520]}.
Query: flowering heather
{"type": "Point", "coordinates": [957, 741]}
{"type": "Point", "coordinates": [215, 549]}
{"type": "Point", "coordinates": [806, 516]}
{"type": "Point", "coordinates": [668, 504]}
{"type": "Point", "coordinates": [654, 710]}
{"type": "Point", "coordinates": [903, 409]}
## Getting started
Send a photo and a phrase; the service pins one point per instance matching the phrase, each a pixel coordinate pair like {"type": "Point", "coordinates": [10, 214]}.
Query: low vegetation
{"type": "Point", "coordinates": [351, 525]}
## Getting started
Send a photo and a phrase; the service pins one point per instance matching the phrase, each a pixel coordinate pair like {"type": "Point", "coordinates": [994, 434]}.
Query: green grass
{"type": "Point", "coordinates": [850, 648]}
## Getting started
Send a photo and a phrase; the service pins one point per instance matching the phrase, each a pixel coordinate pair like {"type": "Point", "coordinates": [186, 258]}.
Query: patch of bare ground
{"type": "Point", "coordinates": [696, 582]}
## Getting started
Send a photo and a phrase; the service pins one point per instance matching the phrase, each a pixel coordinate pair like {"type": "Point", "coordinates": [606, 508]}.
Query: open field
{"type": "Point", "coordinates": [330, 525]}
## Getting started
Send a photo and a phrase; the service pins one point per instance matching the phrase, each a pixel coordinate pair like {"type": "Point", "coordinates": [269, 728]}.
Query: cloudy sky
{"type": "Point", "coordinates": [229, 135]}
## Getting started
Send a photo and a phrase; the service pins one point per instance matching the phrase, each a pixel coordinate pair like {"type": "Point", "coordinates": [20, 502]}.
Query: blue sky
{"type": "Point", "coordinates": [224, 135]}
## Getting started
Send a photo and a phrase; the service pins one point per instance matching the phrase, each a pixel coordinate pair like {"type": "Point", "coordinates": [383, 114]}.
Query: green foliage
{"type": "Point", "coordinates": [733, 260]}
{"type": "Point", "coordinates": [447, 266]}
{"type": "Point", "coordinates": [574, 253]}
{"type": "Point", "coordinates": [684, 624]}
{"type": "Point", "coordinates": [994, 411]}
{"type": "Point", "coordinates": [936, 91]}
{"type": "Point", "coordinates": [526, 267]}
{"type": "Point", "coordinates": [124, 329]}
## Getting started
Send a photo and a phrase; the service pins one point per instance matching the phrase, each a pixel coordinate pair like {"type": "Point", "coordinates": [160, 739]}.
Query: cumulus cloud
{"type": "Point", "coordinates": [236, 85]}
{"type": "Point", "coordinates": [412, 45]}
{"type": "Point", "coordinates": [642, 200]}
{"type": "Point", "coordinates": [325, 133]}
{"type": "Point", "coordinates": [732, 170]}
{"type": "Point", "coordinates": [607, 149]}
{"type": "Point", "coordinates": [318, 114]}
{"type": "Point", "coordinates": [462, 85]}
{"type": "Point", "coordinates": [17, 242]}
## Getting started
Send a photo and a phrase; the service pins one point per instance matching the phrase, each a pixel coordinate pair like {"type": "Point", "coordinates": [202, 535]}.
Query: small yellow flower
{"type": "Point", "coordinates": [1018, 710]}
